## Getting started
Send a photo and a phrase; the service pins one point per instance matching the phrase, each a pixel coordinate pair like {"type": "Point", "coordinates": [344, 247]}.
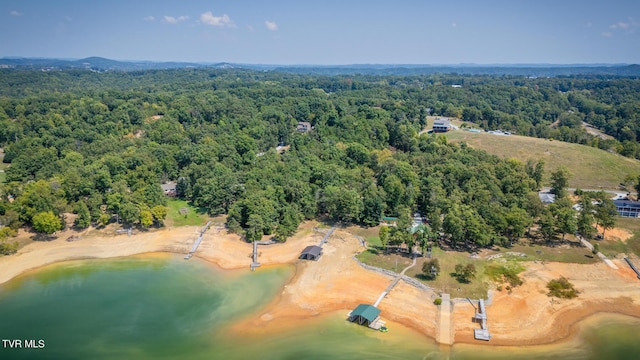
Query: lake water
{"type": "Point", "coordinates": [163, 307]}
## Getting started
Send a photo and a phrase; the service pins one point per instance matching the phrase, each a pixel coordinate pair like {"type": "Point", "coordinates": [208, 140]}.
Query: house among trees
{"type": "Point", "coordinates": [546, 197]}
{"type": "Point", "coordinates": [628, 208]}
{"type": "Point", "coordinates": [169, 188]}
{"type": "Point", "coordinates": [303, 126]}
{"type": "Point", "coordinates": [441, 125]}
{"type": "Point", "coordinates": [312, 252]}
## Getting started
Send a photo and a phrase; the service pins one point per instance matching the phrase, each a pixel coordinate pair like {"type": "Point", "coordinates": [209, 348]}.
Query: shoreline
{"type": "Point", "coordinates": [335, 283]}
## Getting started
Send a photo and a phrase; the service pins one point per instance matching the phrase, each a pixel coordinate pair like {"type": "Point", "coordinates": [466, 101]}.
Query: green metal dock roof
{"type": "Point", "coordinates": [368, 312]}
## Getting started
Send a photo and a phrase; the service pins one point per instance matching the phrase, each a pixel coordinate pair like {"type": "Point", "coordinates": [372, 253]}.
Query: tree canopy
{"type": "Point", "coordinates": [102, 144]}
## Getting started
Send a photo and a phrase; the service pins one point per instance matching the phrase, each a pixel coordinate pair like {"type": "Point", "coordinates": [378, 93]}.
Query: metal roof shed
{"type": "Point", "coordinates": [364, 314]}
{"type": "Point", "coordinates": [312, 252]}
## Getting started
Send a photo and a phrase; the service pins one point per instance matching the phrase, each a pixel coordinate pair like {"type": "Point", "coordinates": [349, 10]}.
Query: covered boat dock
{"type": "Point", "coordinates": [312, 252]}
{"type": "Point", "coordinates": [367, 315]}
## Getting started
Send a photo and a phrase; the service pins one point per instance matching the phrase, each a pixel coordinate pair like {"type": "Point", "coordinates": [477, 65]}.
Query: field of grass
{"type": "Point", "coordinates": [476, 288]}
{"type": "Point", "coordinates": [571, 251]}
{"type": "Point", "coordinates": [486, 270]}
{"type": "Point", "coordinates": [612, 248]}
{"type": "Point", "coordinates": [369, 234]}
{"type": "Point", "coordinates": [194, 216]}
{"type": "Point", "coordinates": [591, 168]}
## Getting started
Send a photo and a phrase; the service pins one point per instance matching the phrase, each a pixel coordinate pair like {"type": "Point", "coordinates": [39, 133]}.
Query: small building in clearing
{"type": "Point", "coordinates": [303, 126]}
{"type": "Point", "coordinates": [312, 252]}
{"type": "Point", "coordinates": [169, 188]}
{"type": "Point", "coordinates": [364, 314]}
{"type": "Point", "coordinates": [441, 125]}
{"type": "Point", "coordinates": [546, 197]}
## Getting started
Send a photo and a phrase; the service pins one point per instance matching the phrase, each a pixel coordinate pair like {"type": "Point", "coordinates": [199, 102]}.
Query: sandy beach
{"type": "Point", "coordinates": [336, 282]}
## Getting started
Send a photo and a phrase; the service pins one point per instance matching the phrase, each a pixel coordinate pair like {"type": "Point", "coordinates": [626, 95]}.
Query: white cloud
{"type": "Point", "coordinates": [148, 18]}
{"type": "Point", "coordinates": [628, 27]}
{"type": "Point", "coordinates": [15, 13]}
{"type": "Point", "coordinates": [607, 34]}
{"type": "Point", "coordinates": [219, 21]}
{"type": "Point", "coordinates": [453, 24]}
{"type": "Point", "coordinates": [250, 28]}
{"type": "Point", "coordinates": [589, 24]}
{"type": "Point", "coordinates": [620, 25]}
{"type": "Point", "coordinates": [173, 20]}
{"type": "Point", "coordinates": [271, 25]}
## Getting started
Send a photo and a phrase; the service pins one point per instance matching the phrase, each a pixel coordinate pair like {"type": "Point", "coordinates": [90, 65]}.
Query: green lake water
{"type": "Point", "coordinates": [163, 307]}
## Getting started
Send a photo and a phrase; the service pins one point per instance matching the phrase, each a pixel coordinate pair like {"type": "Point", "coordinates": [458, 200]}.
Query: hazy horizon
{"type": "Point", "coordinates": [462, 32]}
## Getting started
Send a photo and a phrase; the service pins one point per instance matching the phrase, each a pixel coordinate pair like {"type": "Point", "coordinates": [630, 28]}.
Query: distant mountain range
{"type": "Point", "coordinates": [532, 70]}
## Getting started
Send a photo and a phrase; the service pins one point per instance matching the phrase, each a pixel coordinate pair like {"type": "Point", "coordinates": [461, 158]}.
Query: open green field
{"type": "Point", "coordinates": [569, 252]}
{"type": "Point", "coordinates": [591, 168]}
{"type": "Point", "coordinates": [477, 288]}
{"type": "Point", "coordinates": [194, 216]}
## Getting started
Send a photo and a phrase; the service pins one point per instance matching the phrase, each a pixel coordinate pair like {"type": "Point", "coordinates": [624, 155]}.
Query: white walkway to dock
{"type": "Point", "coordinates": [198, 241]}
{"type": "Point", "coordinates": [394, 283]}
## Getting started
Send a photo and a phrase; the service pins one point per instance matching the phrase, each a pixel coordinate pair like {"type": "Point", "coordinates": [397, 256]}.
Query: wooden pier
{"type": "Point", "coordinates": [198, 241]}
{"type": "Point", "coordinates": [255, 262]}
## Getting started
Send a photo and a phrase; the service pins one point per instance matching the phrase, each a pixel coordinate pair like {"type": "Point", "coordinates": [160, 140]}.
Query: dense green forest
{"type": "Point", "coordinates": [101, 144]}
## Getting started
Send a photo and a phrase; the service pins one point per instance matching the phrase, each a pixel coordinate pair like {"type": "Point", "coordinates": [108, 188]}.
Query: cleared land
{"type": "Point", "coordinates": [623, 239]}
{"type": "Point", "coordinates": [591, 168]}
{"type": "Point", "coordinates": [191, 216]}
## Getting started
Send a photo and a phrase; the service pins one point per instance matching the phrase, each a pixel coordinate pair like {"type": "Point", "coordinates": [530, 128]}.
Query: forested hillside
{"type": "Point", "coordinates": [101, 144]}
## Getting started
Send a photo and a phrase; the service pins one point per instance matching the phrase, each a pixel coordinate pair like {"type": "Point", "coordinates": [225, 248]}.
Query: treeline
{"type": "Point", "coordinates": [101, 144]}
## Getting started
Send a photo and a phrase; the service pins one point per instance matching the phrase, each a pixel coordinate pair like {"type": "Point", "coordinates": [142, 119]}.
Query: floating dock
{"type": "Point", "coordinates": [481, 317]}
{"type": "Point", "coordinates": [198, 241]}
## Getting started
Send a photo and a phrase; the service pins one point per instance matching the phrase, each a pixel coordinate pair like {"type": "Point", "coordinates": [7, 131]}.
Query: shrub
{"type": "Point", "coordinates": [437, 301]}
{"type": "Point", "coordinates": [8, 247]}
{"type": "Point", "coordinates": [562, 288]}
{"type": "Point", "coordinates": [505, 273]}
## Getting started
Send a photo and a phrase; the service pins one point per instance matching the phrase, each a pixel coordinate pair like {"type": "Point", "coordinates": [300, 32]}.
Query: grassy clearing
{"type": "Point", "coordinates": [571, 251]}
{"type": "Point", "coordinates": [370, 234]}
{"type": "Point", "coordinates": [611, 248]}
{"type": "Point", "coordinates": [502, 272]}
{"type": "Point", "coordinates": [445, 282]}
{"type": "Point", "coordinates": [194, 217]}
{"type": "Point", "coordinates": [390, 261]}
{"type": "Point", "coordinates": [591, 168]}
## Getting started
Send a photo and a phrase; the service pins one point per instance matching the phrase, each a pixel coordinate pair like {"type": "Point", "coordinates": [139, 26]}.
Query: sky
{"type": "Point", "coordinates": [326, 32]}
